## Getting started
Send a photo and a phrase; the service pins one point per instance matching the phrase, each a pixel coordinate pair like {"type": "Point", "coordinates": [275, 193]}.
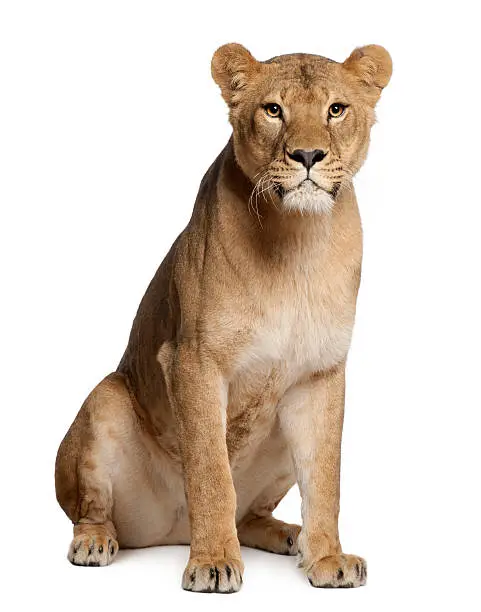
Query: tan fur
{"type": "Point", "coordinates": [231, 388]}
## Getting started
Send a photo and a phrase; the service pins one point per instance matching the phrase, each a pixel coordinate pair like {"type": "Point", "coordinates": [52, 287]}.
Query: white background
{"type": "Point", "coordinates": [109, 118]}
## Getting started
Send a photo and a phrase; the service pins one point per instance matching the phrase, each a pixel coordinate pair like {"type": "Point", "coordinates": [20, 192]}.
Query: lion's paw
{"type": "Point", "coordinates": [221, 576]}
{"type": "Point", "coordinates": [92, 550]}
{"type": "Point", "coordinates": [338, 572]}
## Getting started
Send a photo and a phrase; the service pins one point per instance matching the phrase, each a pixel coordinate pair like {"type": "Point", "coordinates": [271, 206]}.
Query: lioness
{"type": "Point", "coordinates": [231, 388]}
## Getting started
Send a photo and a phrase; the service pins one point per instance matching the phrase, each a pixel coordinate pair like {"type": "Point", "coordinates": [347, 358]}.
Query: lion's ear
{"type": "Point", "coordinates": [372, 65]}
{"type": "Point", "coordinates": [232, 66]}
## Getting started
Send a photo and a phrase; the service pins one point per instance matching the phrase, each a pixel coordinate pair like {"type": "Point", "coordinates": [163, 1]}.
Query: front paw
{"type": "Point", "coordinates": [216, 576]}
{"type": "Point", "coordinates": [338, 572]}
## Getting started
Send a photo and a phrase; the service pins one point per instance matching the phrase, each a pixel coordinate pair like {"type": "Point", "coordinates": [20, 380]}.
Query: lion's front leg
{"type": "Point", "coordinates": [311, 416]}
{"type": "Point", "coordinates": [199, 394]}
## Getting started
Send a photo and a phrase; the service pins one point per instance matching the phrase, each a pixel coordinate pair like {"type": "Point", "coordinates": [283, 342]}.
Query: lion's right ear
{"type": "Point", "coordinates": [232, 66]}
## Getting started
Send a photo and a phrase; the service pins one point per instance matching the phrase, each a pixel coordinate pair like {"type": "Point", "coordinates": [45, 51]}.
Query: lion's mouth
{"type": "Point", "coordinates": [309, 185]}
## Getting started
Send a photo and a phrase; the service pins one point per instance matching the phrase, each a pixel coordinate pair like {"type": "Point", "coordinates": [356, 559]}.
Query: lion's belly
{"type": "Point", "coordinates": [265, 476]}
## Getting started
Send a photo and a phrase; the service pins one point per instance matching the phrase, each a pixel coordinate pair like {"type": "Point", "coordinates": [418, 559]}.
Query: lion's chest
{"type": "Point", "coordinates": [298, 341]}
{"type": "Point", "coordinates": [299, 331]}
{"type": "Point", "coordinates": [298, 334]}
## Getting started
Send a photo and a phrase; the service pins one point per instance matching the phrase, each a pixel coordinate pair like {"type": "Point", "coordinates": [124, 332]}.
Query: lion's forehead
{"type": "Point", "coordinates": [305, 78]}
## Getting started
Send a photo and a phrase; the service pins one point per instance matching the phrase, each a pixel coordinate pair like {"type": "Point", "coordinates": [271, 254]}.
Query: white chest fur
{"type": "Point", "coordinates": [301, 331]}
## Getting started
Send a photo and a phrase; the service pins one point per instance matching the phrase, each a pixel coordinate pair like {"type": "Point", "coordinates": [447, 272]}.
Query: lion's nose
{"type": "Point", "coordinates": [307, 158]}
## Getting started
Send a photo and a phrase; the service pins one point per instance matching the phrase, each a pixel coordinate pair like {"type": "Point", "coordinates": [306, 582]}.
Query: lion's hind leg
{"type": "Point", "coordinates": [273, 474]}
{"type": "Point", "coordinates": [268, 533]}
{"type": "Point", "coordinates": [86, 461]}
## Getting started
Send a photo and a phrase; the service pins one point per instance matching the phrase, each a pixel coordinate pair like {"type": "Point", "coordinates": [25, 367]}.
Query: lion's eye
{"type": "Point", "coordinates": [336, 110]}
{"type": "Point", "coordinates": [273, 110]}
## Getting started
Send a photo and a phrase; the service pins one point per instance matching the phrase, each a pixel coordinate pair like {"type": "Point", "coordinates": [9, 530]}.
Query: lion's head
{"type": "Point", "coordinates": [301, 122]}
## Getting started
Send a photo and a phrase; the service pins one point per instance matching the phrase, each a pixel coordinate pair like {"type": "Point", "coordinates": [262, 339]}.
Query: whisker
{"type": "Point", "coordinates": [253, 199]}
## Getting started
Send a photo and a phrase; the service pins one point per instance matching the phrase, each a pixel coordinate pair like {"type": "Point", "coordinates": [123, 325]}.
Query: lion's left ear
{"type": "Point", "coordinates": [372, 65]}
{"type": "Point", "coordinates": [232, 66]}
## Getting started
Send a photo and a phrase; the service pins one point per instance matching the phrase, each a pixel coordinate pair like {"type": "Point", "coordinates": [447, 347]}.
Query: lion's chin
{"type": "Point", "coordinates": [308, 198]}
